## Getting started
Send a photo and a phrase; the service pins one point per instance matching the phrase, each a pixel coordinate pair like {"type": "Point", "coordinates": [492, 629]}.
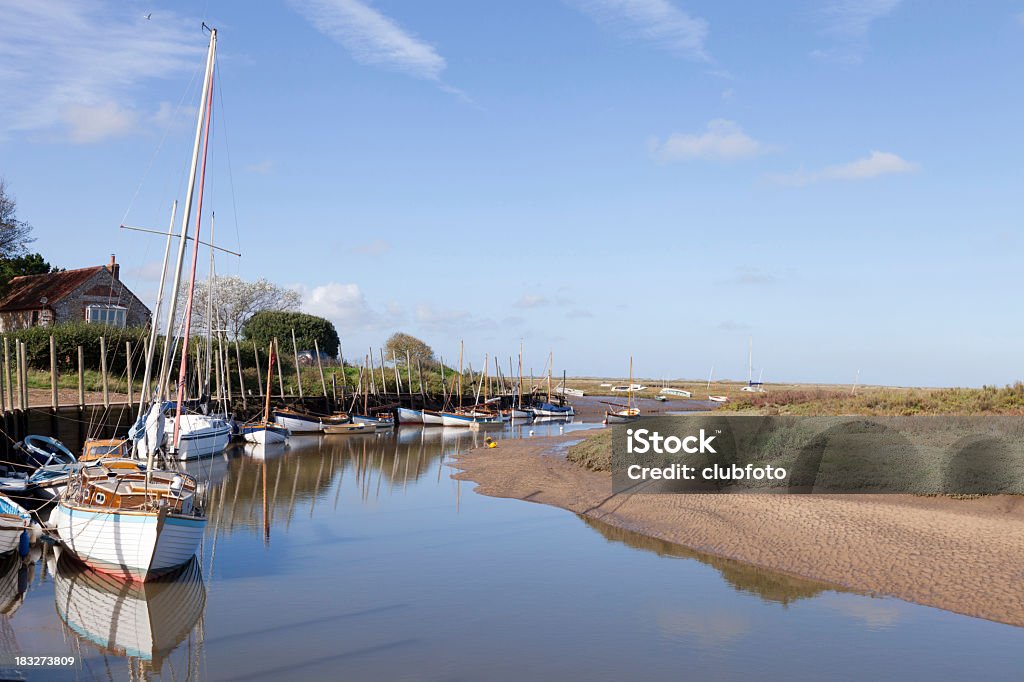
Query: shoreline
{"type": "Point", "coordinates": [964, 556]}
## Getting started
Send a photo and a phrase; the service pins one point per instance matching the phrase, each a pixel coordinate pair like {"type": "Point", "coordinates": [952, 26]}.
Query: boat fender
{"type": "Point", "coordinates": [23, 544]}
{"type": "Point", "coordinates": [176, 484]}
{"type": "Point", "coordinates": [490, 442]}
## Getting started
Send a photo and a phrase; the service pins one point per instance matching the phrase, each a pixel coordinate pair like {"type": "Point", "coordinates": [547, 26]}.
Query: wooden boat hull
{"type": "Point", "coordinates": [264, 434]}
{"type": "Point", "coordinates": [374, 421]}
{"type": "Point", "coordinates": [14, 524]}
{"type": "Point", "coordinates": [142, 620]}
{"type": "Point", "coordinates": [622, 416]}
{"type": "Point", "coordinates": [548, 410]}
{"type": "Point", "coordinates": [296, 423]}
{"type": "Point", "coordinates": [466, 420]}
{"type": "Point", "coordinates": [432, 418]}
{"type": "Point", "coordinates": [355, 427]}
{"type": "Point", "coordinates": [134, 545]}
{"type": "Point", "coordinates": [407, 416]}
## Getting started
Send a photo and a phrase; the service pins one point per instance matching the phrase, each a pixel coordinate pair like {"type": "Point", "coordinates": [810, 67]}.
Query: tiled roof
{"type": "Point", "coordinates": [27, 291]}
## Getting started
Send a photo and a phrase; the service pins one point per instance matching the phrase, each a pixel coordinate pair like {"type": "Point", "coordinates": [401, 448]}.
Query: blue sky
{"type": "Point", "coordinates": [839, 180]}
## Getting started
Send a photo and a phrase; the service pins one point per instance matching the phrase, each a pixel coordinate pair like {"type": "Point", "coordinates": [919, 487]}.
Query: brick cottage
{"type": "Point", "coordinates": [93, 294]}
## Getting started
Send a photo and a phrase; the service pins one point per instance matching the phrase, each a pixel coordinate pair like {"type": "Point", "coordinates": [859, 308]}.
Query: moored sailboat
{"type": "Point", "coordinates": [264, 431]}
{"type": "Point", "coordinates": [628, 412]}
{"type": "Point", "coordinates": [117, 515]}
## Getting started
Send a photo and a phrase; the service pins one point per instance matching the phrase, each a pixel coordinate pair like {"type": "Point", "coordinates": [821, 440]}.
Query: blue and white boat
{"type": "Point", "coordinates": [14, 524]}
{"type": "Point", "coordinates": [120, 518]}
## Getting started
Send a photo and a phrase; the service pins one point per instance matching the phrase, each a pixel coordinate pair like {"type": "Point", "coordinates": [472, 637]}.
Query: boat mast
{"type": "Point", "coordinates": [629, 394]}
{"type": "Point", "coordinates": [461, 346]}
{"type": "Point", "coordinates": [551, 360]}
{"type": "Point", "coordinates": [172, 311]}
{"type": "Point", "coordinates": [270, 377]}
{"type": "Point", "coordinates": [183, 368]}
{"type": "Point", "coordinates": [520, 374]}
{"type": "Point", "coordinates": [154, 320]}
{"type": "Point", "coordinates": [209, 314]}
{"type": "Point", "coordinates": [750, 363]}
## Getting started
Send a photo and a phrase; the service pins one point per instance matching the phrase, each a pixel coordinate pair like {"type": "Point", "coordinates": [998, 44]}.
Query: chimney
{"type": "Point", "coordinates": [115, 269]}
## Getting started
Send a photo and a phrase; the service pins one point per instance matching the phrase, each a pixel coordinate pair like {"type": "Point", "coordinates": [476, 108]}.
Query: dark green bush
{"type": "Point", "coordinates": [265, 326]}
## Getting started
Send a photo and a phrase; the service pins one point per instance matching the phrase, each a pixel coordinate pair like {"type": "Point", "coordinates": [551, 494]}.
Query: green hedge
{"type": "Point", "coordinates": [69, 337]}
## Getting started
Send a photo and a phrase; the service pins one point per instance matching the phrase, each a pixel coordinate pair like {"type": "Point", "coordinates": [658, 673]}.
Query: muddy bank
{"type": "Point", "coordinates": [965, 556]}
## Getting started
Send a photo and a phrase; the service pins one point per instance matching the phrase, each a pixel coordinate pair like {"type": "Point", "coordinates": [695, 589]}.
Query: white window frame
{"type": "Point", "coordinates": [111, 315]}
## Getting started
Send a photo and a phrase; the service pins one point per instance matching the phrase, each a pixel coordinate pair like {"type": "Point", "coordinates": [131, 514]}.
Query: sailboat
{"type": "Point", "coordinates": [548, 408]}
{"type": "Point", "coordinates": [14, 524]}
{"type": "Point", "coordinates": [752, 386]}
{"type": "Point", "coordinates": [715, 398]}
{"type": "Point", "coordinates": [266, 432]}
{"type": "Point", "coordinates": [119, 516]}
{"type": "Point", "coordinates": [478, 415]}
{"type": "Point", "coordinates": [629, 412]}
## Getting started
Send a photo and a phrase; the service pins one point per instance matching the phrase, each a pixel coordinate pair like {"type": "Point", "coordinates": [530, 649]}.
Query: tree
{"type": "Point", "coordinates": [263, 327]}
{"type": "Point", "coordinates": [235, 301]}
{"type": "Point", "coordinates": [28, 264]}
{"type": "Point", "coordinates": [15, 234]}
{"type": "Point", "coordinates": [400, 343]}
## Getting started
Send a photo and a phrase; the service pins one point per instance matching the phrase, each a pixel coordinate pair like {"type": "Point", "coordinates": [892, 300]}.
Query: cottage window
{"type": "Point", "coordinates": [113, 315]}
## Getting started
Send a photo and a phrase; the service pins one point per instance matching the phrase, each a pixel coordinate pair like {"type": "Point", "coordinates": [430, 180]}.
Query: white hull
{"type": "Point", "coordinates": [518, 414]}
{"type": "Point", "coordinates": [677, 392]}
{"type": "Point", "coordinates": [265, 436]}
{"type": "Point", "coordinates": [448, 419]}
{"type": "Point", "coordinates": [432, 419]}
{"type": "Point", "coordinates": [130, 544]}
{"type": "Point", "coordinates": [295, 425]}
{"type": "Point", "coordinates": [200, 436]}
{"type": "Point", "coordinates": [718, 398]}
{"type": "Point", "coordinates": [541, 412]}
{"type": "Point", "coordinates": [143, 620]}
{"type": "Point", "coordinates": [407, 416]}
{"type": "Point", "coordinates": [622, 416]}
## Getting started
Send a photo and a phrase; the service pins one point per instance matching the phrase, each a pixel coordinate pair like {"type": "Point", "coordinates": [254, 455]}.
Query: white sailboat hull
{"type": "Point", "coordinates": [407, 416]}
{"type": "Point", "coordinates": [132, 544]}
{"type": "Point", "coordinates": [265, 436]}
{"type": "Point", "coordinates": [466, 420]}
{"type": "Point", "coordinates": [432, 419]}
{"type": "Point", "coordinates": [295, 425]}
{"type": "Point", "coordinates": [200, 436]}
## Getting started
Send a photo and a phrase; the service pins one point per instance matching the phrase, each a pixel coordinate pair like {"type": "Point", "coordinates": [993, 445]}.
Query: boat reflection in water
{"type": "Point", "coordinates": [143, 621]}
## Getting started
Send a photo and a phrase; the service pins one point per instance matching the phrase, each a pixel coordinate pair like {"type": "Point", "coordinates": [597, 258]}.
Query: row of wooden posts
{"type": "Point", "coordinates": [14, 380]}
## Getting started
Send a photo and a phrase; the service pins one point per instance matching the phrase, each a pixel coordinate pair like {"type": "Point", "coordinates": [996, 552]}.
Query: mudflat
{"type": "Point", "coordinates": [961, 555]}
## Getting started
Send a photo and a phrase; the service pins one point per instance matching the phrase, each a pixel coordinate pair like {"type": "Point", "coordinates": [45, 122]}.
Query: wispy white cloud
{"type": "Point", "coordinates": [531, 301]}
{"type": "Point", "coordinates": [848, 23]}
{"type": "Point", "coordinates": [874, 165]}
{"type": "Point", "coordinates": [658, 22]}
{"type": "Point", "coordinates": [375, 248]}
{"type": "Point", "coordinates": [75, 66]}
{"type": "Point", "coordinates": [723, 140]}
{"type": "Point", "coordinates": [264, 167]}
{"type": "Point", "coordinates": [371, 37]}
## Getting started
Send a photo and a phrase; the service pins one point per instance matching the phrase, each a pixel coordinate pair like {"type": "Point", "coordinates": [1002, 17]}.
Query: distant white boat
{"type": "Point", "coordinates": [676, 392]}
{"type": "Point", "coordinates": [564, 390]}
{"type": "Point", "coordinates": [718, 398]}
{"type": "Point", "coordinates": [622, 416]}
{"type": "Point", "coordinates": [431, 418]}
{"type": "Point", "coordinates": [606, 385]}
{"type": "Point", "coordinates": [629, 388]}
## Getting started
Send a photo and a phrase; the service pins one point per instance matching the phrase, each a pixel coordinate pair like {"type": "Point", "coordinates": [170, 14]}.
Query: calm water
{"type": "Point", "coordinates": [363, 560]}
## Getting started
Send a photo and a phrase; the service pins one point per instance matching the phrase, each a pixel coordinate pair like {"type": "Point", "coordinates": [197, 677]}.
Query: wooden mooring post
{"type": "Point", "coordinates": [280, 374]}
{"type": "Point", "coordinates": [81, 377]}
{"type": "Point", "coordinates": [54, 400]}
{"type": "Point", "coordinates": [103, 371]}
{"type": "Point", "coordinates": [319, 365]}
{"type": "Point", "coordinates": [298, 372]}
{"type": "Point", "coordinates": [241, 376]}
{"type": "Point", "coordinates": [128, 369]}
{"type": "Point", "coordinates": [259, 375]}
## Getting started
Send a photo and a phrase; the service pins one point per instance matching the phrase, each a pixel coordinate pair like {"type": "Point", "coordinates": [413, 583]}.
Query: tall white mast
{"type": "Point", "coordinates": [154, 322]}
{"type": "Point", "coordinates": [205, 124]}
{"type": "Point", "coordinates": [750, 362]}
{"type": "Point", "coordinates": [172, 311]}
